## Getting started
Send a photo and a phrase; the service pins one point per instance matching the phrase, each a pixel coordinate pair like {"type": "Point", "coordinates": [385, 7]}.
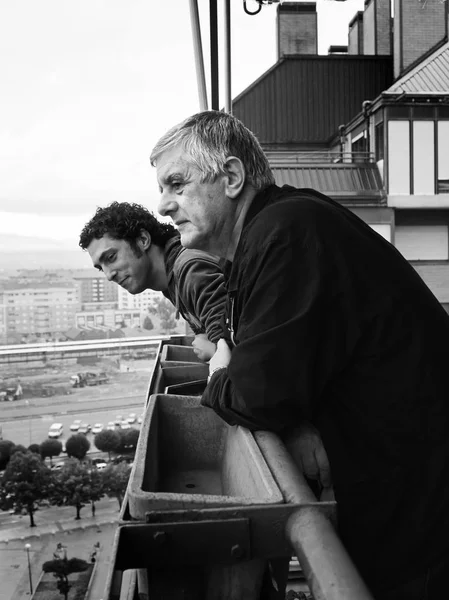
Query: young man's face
{"type": "Point", "coordinates": [197, 209]}
{"type": "Point", "coordinates": [130, 267]}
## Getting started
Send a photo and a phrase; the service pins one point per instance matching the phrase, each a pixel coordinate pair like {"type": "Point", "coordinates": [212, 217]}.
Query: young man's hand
{"type": "Point", "coordinates": [203, 347]}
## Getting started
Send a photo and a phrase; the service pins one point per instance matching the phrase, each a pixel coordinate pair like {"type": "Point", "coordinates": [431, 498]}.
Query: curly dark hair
{"type": "Point", "coordinates": [124, 221]}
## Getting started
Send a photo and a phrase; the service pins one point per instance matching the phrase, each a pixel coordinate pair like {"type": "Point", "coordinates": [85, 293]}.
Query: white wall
{"type": "Point", "coordinates": [422, 242]}
{"type": "Point", "coordinates": [424, 157]}
{"type": "Point", "coordinates": [398, 157]}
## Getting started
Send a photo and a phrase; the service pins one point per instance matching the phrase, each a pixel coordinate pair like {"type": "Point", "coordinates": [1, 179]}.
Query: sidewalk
{"type": "Point", "coordinates": [79, 537]}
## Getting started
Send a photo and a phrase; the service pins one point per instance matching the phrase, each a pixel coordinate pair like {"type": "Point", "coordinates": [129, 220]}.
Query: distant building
{"type": "Point", "coordinates": [108, 318]}
{"type": "Point", "coordinates": [95, 291]}
{"type": "Point", "coordinates": [140, 301]}
{"type": "Point", "coordinates": [36, 309]}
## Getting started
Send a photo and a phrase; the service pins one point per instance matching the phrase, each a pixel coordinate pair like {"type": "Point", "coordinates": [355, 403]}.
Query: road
{"type": "Point", "coordinates": [27, 421]}
{"type": "Point", "coordinates": [34, 430]}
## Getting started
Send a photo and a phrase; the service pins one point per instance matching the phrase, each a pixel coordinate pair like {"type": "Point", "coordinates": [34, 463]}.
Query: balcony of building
{"type": "Point", "coordinates": [352, 178]}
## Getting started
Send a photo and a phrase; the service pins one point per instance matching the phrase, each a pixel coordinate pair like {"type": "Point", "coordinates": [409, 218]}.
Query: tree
{"type": "Point", "coordinates": [5, 452]}
{"type": "Point", "coordinates": [96, 487]}
{"type": "Point", "coordinates": [62, 568]}
{"type": "Point", "coordinates": [166, 313]}
{"type": "Point", "coordinates": [148, 323]}
{"type": "Point", "coordinates": [129, 440]}
{"type": "Point", "coordinates": [50, 448]}
{"type": "Point", "coordinates": [73, 486]}
{"type": "Point", "coordinates": [115, 479]}
{"type": "Point", "coordinates": [107, 441]}
{"type": "Point", "coordinates": [35, 449]}
{"type": "Point", "coordinates": [77, 446]}
{"type": "Point", "coordinates": [18, 448]}
{"type": "Point", "coordinates": [26, 483]}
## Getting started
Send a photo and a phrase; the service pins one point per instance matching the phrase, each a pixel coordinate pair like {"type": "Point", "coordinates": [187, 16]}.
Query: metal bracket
{"type": "Point", "coordinates": [209, 535]}
{"type": "Point", "coordinates": [183, 543]}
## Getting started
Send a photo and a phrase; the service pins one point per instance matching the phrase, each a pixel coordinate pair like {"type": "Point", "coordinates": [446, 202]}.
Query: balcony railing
{"type": "Point", "coordinates": [176, 547]}
{"type": "Point", "coordinates": [318, 157]}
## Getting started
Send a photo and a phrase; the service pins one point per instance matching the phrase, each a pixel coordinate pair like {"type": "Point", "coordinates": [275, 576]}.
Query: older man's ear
{"type": "Point", "coordinates": [236, 177]}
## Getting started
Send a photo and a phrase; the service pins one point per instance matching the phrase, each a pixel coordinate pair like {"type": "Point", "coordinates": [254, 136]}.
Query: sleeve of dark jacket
{"type": "Point", "coordinates": [201, 284]}
{"type": "Point", "coordinates": [291, 339]}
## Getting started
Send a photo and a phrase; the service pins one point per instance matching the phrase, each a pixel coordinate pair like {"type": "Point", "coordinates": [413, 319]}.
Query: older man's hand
{"type": "Point", "coordinates": [221, 358]}
{"type": "Point", "coordinates": [305, 445]}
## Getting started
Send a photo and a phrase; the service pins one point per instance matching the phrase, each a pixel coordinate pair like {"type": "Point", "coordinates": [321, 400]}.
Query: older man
{"type": "Point", "coordinates": [138, 252]}
{"type": "Point", "coordinates": [330, 325]}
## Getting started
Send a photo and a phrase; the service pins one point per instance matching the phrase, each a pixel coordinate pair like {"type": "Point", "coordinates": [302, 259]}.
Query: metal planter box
{"type": "Point", "coordinates": [187, 457]}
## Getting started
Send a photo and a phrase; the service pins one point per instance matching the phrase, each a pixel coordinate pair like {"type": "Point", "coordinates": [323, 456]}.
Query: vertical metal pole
{"type": "Point", "coordinates": [329, 571]}
{"type": "Point", "coordinates": [227, 51]}
{"type": "Point", "coordinates": [27, 548]}
{"type": "Point", "coordinates": [213, 19]}
{"type": "Point", "coordinates": [27, 402]}
{"type": "Point", "coordinates": [198, 51]}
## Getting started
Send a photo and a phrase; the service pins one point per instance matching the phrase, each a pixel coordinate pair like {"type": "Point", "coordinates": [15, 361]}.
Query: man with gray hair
{"type": "Point", "coordinates": [329, 326]}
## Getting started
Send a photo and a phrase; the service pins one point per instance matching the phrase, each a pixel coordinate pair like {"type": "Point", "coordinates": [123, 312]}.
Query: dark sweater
{"type": "Point", "coordinates": [332, 325]}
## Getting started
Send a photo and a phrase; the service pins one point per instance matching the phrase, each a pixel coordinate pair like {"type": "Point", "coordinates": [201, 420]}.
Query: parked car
{"type": "Point", "coordinates": [97, 428]}
{"type": "Point", "coordinates": [99, 463]}
{"type": "Point", "coordinates": [84, 428]}
{"type": "Point", "coordinates": [56, 430]}
{"type": "Point", "coordinates": [118, 419]}
{"type": "Point", "coordinates": [132, 418]}
{"type": "Point", "coordinates": [75, 425]}
{"type": "Point", "coordinates": [111, 426]}
{"type": "Point", "coordinates": [140, 418]}
{"type": "Point", "coordinates": [57, 466]}
{"type": "Point", "coordinates": [125, 425]}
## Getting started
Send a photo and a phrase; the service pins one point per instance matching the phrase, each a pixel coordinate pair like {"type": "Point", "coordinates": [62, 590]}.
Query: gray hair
{"type": "Point", "coordinates": [210, 138]}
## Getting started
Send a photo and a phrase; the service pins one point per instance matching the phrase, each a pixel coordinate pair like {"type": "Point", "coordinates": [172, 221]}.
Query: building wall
{"type": "Point", "coordinates": [355, 37]}
{"type": "Point", "coordinates": [377, 27]}
{"type": "Point", "coordinates": [297, 28]}
{"type": "Point", "coordinates": [419, 26]}
{"type": "Point", "coordinates": [96, 288]}
{"type": "Point", "coordinates": [383, 28]}
{"type": "Point", "coordinates": [369, 28]}
{"type": "Point", "coordinates": [40, 310]}
{"type": "Point", "coordinates": [110, 319]}
{"type": "Point", "coordinates": [140, 301]}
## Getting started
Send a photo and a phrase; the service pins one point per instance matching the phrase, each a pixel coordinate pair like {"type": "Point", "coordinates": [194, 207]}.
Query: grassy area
{"type": "Point", "coordinates": [47, 588]}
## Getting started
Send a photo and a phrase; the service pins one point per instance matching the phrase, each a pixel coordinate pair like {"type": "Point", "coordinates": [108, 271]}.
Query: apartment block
{"type": "Point", "coordinates": [39, 309]}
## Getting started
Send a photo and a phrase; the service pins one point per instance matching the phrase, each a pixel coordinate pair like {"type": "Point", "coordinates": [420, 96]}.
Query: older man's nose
{"type": "Point", "coordinates": [167, 206]}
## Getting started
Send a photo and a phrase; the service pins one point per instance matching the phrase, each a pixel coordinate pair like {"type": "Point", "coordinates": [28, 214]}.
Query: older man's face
{"type": "Point", "coordinates": [197, 209]}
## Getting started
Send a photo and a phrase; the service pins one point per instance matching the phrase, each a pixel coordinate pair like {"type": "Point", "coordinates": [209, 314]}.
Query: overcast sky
{"type": "Point", "coordinates": [88, 86]}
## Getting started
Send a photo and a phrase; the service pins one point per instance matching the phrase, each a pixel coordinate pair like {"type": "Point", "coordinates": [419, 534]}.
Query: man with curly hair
{"type": "Point", "coordinates": [138, 252]}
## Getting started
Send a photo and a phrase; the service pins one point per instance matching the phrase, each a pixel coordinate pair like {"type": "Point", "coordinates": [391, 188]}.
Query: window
{"type": "Point", "coordinates": [379, 141]}
{"type": "Point", "coordinates": [422, 242]}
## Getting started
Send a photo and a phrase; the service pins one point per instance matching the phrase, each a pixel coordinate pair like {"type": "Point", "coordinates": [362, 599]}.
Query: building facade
{"type": "Point", "coordinates": [369, 128]}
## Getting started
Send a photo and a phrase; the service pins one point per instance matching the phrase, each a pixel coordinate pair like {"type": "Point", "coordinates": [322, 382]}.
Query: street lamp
{"type": "Point", "coordinates": [27, 548]}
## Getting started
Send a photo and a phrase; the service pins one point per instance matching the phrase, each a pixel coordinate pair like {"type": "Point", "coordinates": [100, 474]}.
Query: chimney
{"type": "Point", "coordinates": [377, 27]}
{"type": "Point", "coordinates": [355, 35]}
{"type": "Point", "coordinates": [419, 26]}
{"type": "Point", "coordinates": [297, 28]}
